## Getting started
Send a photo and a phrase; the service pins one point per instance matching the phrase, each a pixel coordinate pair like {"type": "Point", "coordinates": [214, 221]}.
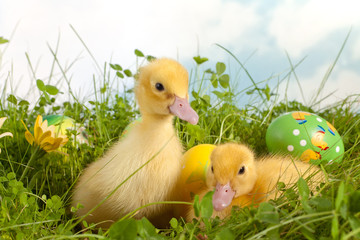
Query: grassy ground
{"type": "Point", "coordinates": [37, 207]}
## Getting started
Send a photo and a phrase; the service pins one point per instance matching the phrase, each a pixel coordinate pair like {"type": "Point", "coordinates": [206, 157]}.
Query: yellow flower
{"type": "Point", "coordinates": [45, 137]}
{"type": "Point", "coordinates": [2, 120]}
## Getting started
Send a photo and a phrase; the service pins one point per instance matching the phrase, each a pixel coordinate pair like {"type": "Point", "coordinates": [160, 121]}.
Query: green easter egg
{"type": "Point", "coordinates": [63, 123]}
{"type": "Point", "coordinates": [307, 136]}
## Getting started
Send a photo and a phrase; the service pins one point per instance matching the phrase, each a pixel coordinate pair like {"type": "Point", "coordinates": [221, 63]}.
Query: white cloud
{"type": "Point", "coordinates": [160, 26]}
{"type": "Point", "coordinates": [345, 83]}
{"type": "Point", "coordinates": [298, 26]}
{"type": "Point", "coordinates": [114, 29]}
{"type": "Point", "coordinates": [342, 83]}
{"type": "Point", "coordinates": [356, 49]}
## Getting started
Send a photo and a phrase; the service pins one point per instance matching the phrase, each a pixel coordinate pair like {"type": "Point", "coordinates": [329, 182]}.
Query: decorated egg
{"type": "Point", "coordinates": [195, 163]}
{"type": "Point", "coordinates": [307, 136]}
{"type": "Point", "coordinates": [129, 127]}
{"type": "Point", "coordinates": [63, 123]}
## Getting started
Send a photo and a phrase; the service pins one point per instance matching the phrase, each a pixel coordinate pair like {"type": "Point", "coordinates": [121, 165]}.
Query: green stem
{"type": "Point", "coordinates": [33, 156]}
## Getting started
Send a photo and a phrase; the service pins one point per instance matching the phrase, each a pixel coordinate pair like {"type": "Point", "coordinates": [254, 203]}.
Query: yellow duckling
{"type": "Point", "coordinates": [161, 91]}
{"type": "Point", "coordinates": [240, 180]}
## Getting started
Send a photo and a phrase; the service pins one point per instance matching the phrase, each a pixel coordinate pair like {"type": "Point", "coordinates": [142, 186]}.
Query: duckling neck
{"type": "Point", "coordinates": [156, 122]}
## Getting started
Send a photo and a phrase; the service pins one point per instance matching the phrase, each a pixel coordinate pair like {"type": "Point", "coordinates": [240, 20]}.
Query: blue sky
{"type": "Point", "coordinates": [182, 29]}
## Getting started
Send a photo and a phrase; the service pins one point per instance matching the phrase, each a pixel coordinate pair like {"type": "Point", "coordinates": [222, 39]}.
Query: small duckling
{"type": "Point", "coordinates": [161, 91]}
{"type": "Point", "coordinates": [240, 180]}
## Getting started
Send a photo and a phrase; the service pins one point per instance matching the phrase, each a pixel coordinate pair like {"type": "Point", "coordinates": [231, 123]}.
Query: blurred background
{"type": "Point", "coordinates": [267, 37]}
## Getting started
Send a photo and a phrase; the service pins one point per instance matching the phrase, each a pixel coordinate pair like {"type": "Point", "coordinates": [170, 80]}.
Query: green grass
{"type": "Point", "coordinates": [38, 206]}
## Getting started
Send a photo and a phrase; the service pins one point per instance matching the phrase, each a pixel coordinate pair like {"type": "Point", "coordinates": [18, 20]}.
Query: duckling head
{"type": "Point", "coordinates": [232, 173]}
{"type": "Point", "coordinates": [162, 89]}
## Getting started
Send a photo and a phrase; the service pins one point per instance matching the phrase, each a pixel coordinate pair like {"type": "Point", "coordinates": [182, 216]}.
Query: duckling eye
{"type": "Point", "coordinates": [212, 169]}
{"type": "Point", "coordinates": [242, 170]}
{"type": "Point", "coordinates": [159, 86]}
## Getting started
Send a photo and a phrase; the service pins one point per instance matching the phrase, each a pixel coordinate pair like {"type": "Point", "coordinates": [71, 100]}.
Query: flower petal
{"type": "Point", "coordinates": [46, 143]}
{"type": "Point", "coordinates": [40, 132]}
{"type": "Point", "coordinates": [51, 147]}
{"type": "Point", "coordinates": [6, 134]}
{"type": "Point", "coordinates": [44, 126]}
{"type": "Point", "coordinates": [44, 137]}
{"type": "Point", "coordinates": [64, 141]}
{"type": "Point", "coordinates": [47, 147]}
{"type": "Point", "coordinates": [29, 137]}
{"type": "Point", "coordinates": [53, 130]}
{"type": "Point", "coordinates": [37, 127]}
{"type": "Point", "coordinates": [2, 120]}
{"type": "Point", "coordinates": [57, 142]}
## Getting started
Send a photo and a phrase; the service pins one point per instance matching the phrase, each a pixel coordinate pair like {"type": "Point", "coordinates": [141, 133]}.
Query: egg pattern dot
{"type": "Point", "coordinates": [296, 132]}
{"type": "Point", "coordinates": [319, 119]}
{"type": "Point", "coordinates": [290, 148]}
{"type": "Point", "coordinates": [337, 149]}
{"type": "Point", "coordinates": [303, 142]}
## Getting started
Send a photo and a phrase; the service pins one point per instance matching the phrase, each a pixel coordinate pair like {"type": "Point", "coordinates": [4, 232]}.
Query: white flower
{"type": "Point", "coordinates": [2, 120]}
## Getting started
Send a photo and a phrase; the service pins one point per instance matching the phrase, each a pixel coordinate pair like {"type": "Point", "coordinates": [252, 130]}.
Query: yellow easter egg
{"type": "Point", "coordinates": [195, 163]}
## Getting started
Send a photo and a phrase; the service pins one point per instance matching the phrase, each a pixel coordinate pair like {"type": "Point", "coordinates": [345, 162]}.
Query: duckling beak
{"type": "Point", "coordinates": [223, 196]}
{"type": "Point", "coordinates": [183, 110]}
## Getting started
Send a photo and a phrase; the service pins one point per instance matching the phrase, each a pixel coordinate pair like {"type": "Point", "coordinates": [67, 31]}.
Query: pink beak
{"type": "Point", "coordinates": [222, 197]}
{"type": "Point", "coordinates": [183, 110]}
